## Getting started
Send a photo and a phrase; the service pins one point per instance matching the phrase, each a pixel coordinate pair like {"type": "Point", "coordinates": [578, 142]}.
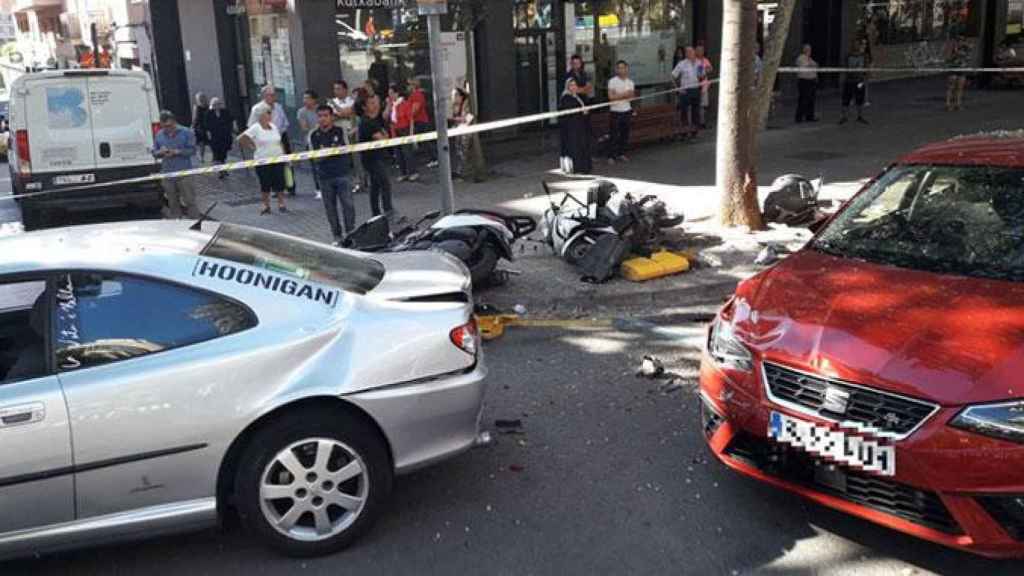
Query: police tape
{"type": "Point", "coordinates": [466, 131]}
{"type": "Point", "coordinates": [901, 70]}
{"type": "Point", "coordinates": [312, 155]}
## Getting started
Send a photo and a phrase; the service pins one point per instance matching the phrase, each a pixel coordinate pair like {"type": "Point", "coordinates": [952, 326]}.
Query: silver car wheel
{"type": "Point", "coordinates": [314, 489]}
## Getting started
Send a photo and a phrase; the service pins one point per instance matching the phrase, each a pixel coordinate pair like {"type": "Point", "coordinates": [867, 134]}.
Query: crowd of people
{"type": "Point", "coordinates": [347, 117]}
{"type": "Point", "coordinates": [691, 78]}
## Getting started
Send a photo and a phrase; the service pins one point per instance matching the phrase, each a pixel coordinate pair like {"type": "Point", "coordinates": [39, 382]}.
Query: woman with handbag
{"type": "Point", "coordinates": [575, 132]}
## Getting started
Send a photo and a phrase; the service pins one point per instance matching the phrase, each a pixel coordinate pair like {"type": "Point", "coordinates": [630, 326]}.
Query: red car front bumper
{"type": "Point", "coordinates": [950, 487]}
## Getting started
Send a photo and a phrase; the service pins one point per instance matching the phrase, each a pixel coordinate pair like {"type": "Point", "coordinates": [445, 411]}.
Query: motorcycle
{"type": "Point", "coordinates": [479, 238]}
{"type": "Point", "coordinates": [573, 229]}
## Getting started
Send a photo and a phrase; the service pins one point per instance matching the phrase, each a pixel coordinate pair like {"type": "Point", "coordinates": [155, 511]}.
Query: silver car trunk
{"type": "Point", "coordinates": [422, 275]}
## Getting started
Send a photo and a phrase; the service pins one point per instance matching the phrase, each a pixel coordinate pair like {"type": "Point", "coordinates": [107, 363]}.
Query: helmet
{"type": "Point", "coordinates": [792, 200]}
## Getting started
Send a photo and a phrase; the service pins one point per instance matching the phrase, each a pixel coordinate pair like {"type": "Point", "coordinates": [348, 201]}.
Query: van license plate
{"type": "Point", "coordinates": [66, 179]}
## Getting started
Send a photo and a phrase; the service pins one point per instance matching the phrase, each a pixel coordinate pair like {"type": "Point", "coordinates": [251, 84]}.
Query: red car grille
{"type": "Point", "coordinates": [918, 506]}
{"type": "Point", "coordinates": [883, 411]}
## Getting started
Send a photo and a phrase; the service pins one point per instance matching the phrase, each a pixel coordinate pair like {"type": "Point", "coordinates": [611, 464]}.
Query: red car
{"type": "Point", "coordinates": [880, 369]}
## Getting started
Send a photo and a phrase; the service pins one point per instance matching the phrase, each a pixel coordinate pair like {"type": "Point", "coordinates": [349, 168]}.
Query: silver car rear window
{"type": "Point", "coordinates": [295, 257]}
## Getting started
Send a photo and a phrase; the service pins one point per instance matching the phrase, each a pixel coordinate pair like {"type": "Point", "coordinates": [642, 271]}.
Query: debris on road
{"type": "Point", "coordinates": [709, 260]}
{"type": "Point", "coordinates": [651, 367]}
{"type": "Point", "coordinates": [660, 264]}
{"type": "Point", "coordinates": [509, 427]}
{"type": "Point", "coordinates": [673, 385]}
{"type": "Point", "coordinates": [767, 256]}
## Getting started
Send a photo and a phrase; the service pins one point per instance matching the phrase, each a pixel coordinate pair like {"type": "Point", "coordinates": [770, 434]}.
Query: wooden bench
{"type": "Point", "coordinates": [652, 123]}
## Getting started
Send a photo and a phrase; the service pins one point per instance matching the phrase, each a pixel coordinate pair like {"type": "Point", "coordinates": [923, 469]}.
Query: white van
{"type": "Point", "coordinates": [78, 127]}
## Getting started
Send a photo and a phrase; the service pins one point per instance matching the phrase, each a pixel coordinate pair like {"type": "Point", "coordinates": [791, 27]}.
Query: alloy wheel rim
{"type": "Point", "coordinates": [314, 489]}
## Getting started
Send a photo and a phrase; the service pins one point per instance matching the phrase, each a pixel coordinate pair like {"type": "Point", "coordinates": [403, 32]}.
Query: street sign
{"type": "Point", "coordinates": [427, 7]}
{"type": "Point", "coordinates": [236, 9]}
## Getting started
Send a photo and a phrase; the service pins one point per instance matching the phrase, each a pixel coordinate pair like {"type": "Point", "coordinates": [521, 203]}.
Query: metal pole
{"type": "Point", "coordinates": [438, 68]}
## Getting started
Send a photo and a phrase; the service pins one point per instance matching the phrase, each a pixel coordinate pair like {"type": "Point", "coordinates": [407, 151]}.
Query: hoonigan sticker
{"type": "Point", "coordinates": [265, 280]}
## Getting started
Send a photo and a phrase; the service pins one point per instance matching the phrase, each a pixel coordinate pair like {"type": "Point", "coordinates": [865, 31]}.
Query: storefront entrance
{"type": "Point", "coordinates": [536, 72]}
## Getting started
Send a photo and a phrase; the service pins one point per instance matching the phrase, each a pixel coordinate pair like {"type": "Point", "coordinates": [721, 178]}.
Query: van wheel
{"type": "Point", "coordinates": [312, 483]}
{"type": "Point", "coordinates": [33, 218]}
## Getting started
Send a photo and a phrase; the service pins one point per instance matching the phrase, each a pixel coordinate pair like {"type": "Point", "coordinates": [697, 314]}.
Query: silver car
{"type": "Point", "coordinates": [156, 376]}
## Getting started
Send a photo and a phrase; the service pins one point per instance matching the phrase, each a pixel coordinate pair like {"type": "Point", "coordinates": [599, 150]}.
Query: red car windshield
{"type": "Point", "coordinates": [964, 220]}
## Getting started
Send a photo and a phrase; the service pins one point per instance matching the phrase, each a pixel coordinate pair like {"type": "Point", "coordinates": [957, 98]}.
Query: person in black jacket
{"type": "Point", "coordinates": [200, 111]}
{"type": "Point", "coordinates": [575, 132]}
{"type": "Point", "coordinates": [220, 129]}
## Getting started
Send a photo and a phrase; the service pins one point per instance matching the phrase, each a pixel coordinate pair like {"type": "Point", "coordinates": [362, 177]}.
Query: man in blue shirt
{"type": "Point", "coordinates": [333, 172]}
{"type": "Point", "coordinates": [175, 146]}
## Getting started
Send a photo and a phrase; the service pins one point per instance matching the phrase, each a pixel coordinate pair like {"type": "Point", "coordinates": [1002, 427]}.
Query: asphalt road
{"type": "Point", "coordinates": [610, 476]}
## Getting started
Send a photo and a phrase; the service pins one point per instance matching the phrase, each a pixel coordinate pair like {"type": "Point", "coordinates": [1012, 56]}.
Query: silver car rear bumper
{"type": "Point", "coordinates": [428, 420]}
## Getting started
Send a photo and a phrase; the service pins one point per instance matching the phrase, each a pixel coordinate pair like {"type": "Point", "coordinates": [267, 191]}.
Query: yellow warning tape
{"type": "Point", "coordinates": [460, 131]}
{"type": "Point", "coordinates": [342, 150]}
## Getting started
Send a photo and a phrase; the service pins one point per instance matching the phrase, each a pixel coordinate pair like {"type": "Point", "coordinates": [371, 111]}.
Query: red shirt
{"type": "Point", "coordinates": [418, 97]}
{"type": "Point", "coordinates": [403, 115]}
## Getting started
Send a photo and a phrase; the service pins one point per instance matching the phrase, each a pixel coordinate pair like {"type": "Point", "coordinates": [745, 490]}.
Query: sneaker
{"type": "Point", "coordinates": [402, 178]}
{"type": "Point", "coordinates": [319, 195]}
{"type": "Point", "coordinates": [414, 177]}
{"type": "Point", "coordinates": [862, 120]}
{"type": "Point", "coordinates": [611, 161]}
{"type": "Point", "coordinates": [843, 120]}
{"type": "Point", "coordinates": [337, 242]}
{"type": "Point", "coordinates": [623, 158]}
{"type": "Point", "coordinates": [432, 164]}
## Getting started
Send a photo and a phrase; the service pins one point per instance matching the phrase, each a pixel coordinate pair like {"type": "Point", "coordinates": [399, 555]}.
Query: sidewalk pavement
{"type": "Point", "coordinates": [903, 116]}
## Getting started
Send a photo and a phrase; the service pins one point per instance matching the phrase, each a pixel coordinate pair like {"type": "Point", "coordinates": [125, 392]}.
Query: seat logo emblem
{"type": "Point", "coordinates": [836, 400]}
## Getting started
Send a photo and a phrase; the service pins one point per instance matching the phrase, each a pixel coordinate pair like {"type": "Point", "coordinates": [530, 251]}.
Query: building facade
{"type": "Point", "coordinates": [514, 53]}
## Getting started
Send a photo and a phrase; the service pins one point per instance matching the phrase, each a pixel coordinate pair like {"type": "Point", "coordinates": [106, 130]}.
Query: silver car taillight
{"type": "Point", "coordinates": [466, 337]}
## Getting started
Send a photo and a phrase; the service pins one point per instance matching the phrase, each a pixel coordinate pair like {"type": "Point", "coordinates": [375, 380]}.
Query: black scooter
{"type": "Point", "coordinates": [479, 238]}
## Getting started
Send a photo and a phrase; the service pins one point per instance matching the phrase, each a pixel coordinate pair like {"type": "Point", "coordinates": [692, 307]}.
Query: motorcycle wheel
{"type": "Point", "coordinates": [576, 250]}
{"type": "Point", "coordinates": [482, 265]}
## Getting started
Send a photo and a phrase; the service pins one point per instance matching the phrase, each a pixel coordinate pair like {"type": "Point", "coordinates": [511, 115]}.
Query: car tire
{"type": "Point", "coordinates": [302, 503]}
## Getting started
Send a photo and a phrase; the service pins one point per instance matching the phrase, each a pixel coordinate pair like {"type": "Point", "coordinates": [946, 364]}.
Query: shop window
{"type": "Point", "coordinates": [1015, 17]}
{"type": "Point", "coordinates": [533, 14]}
{"type": "Point", "coordinates": [389, 45]}
{"type": "Point", "coordinates": [644, 33]}
{"type": "Point", "coordinates": [908, 21]}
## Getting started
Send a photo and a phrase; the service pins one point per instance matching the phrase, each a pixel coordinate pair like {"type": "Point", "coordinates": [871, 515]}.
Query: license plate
{"type": "Point", "coordinates": [833, 445]}
{"type": "Point", "coordinates": [66, 179]}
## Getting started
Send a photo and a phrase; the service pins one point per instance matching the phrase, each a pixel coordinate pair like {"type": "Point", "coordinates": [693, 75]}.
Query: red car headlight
{"type": "Point", "coordinates": [1003, 420]}
{"type": "Point", "coordinates": [726, 349]}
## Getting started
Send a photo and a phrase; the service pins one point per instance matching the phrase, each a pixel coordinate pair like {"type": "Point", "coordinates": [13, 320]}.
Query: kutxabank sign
{"type": "Point", "coordinates": [371, 3]}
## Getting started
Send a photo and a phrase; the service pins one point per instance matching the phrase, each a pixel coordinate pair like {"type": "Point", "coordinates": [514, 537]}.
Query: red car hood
{"type": "Point", "coordinates": [953, 340]}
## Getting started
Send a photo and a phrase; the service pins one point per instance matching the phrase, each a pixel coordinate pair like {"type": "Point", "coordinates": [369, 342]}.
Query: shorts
{"type": "Point", "coordinates": [271, 177]}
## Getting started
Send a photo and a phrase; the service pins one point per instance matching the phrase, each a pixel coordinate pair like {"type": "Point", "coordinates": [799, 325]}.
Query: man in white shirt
{"type": "Point", "coordinates": [687, 74]}
{"type": "Point", "coordinates": [620, 91]}
{"type": "Point", "coordinates": [343, 105]}
{"type": "Point", "coordinates": [278, 117]}
{"type": "Point", "coordinates": [807, 85]}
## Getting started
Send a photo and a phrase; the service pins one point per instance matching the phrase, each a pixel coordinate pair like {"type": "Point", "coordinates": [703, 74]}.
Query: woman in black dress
{"type": "Point", "coordinates": [220, 128]}
{"type": "Point", "coordinates": [575, 132]}
{"type": "Point", "coordinates": [200, 111]}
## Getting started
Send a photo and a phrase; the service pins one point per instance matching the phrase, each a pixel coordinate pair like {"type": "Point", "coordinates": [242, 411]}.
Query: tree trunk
{"type": "Point", "coordinates": [776, 45]}
{"type": "Point", "coordinates": [474, 161]}
{"type": "Point", "coordinates": [736, 169]}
